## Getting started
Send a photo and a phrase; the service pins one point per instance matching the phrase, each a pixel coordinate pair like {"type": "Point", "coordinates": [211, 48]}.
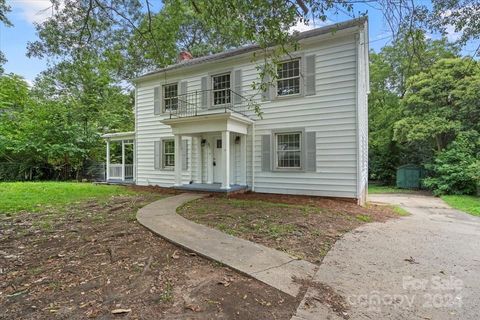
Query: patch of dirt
{"type": "Point", "coordinates": [326, 295]}
{"type": "Point", "coordinates": [306, 227]}
{"type": "Point", "coordinates": [93, 260]}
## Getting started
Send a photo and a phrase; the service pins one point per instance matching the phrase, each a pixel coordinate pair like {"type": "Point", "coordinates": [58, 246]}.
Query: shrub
{"type": "Point", "coordinates": [456, 169]}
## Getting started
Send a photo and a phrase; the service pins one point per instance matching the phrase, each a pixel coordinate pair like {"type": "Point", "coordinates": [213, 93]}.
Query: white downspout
{"type": "Point", "coordinates": [253, 157]}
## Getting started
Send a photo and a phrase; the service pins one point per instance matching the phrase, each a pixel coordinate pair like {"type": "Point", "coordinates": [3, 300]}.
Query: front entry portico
{"type": "Point", "coordinates": [220, 142]}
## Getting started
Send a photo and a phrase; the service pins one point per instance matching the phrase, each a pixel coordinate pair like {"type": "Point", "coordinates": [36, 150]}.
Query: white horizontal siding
{"type": "Point", "coordinates": [331, 113]}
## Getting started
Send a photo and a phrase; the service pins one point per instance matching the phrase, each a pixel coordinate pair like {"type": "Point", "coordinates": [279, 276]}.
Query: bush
{"type": "Point", "coordinates": [456, 169]}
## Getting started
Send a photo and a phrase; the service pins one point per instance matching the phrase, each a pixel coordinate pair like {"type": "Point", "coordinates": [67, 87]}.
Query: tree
{"type": "Point", "coordinates": [97, 104]}
{"type": "Point", "coordinates": [53, 130]}
{"type": "Point", "coordinates": [462, 15]}
{"type": "Point", "coordinates": [389, 71]}
{"type": "Point", "coordinates": [173, 29]}
{"type": "Point", "coordinates": [441, 102]}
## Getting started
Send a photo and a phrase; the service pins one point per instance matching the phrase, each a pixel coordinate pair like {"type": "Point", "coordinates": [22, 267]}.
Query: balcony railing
{"type": "Point", "coordinates": [202, 102]}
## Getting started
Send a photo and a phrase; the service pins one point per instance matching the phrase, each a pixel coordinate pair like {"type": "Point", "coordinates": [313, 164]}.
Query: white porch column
{"type": "Point", "coordinates": [123, 160]}
{"type": "Point", "coordinates": [197, 142]}
{"type": "Point", "coordinates": [243, 160]}
{"type": "Point", "coordinates": [226, 159]}
{"type": "Point", "coordinates": [108, 161]}
{"type": "Point", "coordinates": [178, 160]}
{"type": "Point", "coordinates": [209, 154]}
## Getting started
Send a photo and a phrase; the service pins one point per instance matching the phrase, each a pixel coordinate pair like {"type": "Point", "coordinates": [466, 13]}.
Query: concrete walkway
{"type": "Point", "coordinates": [270, 266]}
{"type": "Point", "coordinates": [424, 266]}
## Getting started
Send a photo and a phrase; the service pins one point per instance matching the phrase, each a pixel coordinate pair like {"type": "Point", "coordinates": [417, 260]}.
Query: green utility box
{"type": "Point", "coordinates": [410, 176]}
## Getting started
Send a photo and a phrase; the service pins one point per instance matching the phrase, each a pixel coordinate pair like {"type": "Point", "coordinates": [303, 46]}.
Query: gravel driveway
{"type": "Point", "coordinates": [423, 266]}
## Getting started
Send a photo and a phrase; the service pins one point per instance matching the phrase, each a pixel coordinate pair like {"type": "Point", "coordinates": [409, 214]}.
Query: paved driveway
{"type": "Point", "coordinates": [424, 266]}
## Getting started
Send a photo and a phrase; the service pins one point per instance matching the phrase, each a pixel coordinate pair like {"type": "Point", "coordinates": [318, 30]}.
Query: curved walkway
{"type": "Point", "coordinates": [423, 266]}
{"type": "Point", "coordinates": [270, 266]}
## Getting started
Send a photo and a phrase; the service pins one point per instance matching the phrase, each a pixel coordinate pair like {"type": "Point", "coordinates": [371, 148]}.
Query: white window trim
{"type": "Point", "coordinates": [164, 166]}
{"type": "Point", "coordinates": [164, 108]}
{"type": "Point", "coordinates": [212, 104]}
{"type": "Point", "coordinates": [275, 150]}
{"type": "Point", "coordinates": [300, 75]}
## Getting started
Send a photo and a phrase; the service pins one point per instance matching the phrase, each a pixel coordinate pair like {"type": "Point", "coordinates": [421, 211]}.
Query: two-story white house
{"type": "Point", "coordinates": [194, 127]}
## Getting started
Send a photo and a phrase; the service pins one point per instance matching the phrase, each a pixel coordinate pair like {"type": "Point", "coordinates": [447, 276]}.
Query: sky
{"type": "Point", "coordinates": [13, 40]}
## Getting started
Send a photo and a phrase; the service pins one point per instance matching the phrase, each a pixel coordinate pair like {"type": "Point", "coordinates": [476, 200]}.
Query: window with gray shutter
{"type": "Point", "coordinates": [288, 78]}
{"type": "Point", "coordinates": [168, 154]}
{"type": "Point", "coordinates": [205, 95]}
{"type": "Point", "coordinates": [237, 95]}
{"type": "Point", "coordinates": [311, 152]}
{"type": "Point", "coordinates": [157, 146]}
{"type": "Point", "coordinates": [157, 100]}
{"type": "Point", "coordinates": [185, 155]}
{"type": "Point", "coordinates": [266, 153]}
{"type": "Point", "coordinates": [310, 75]}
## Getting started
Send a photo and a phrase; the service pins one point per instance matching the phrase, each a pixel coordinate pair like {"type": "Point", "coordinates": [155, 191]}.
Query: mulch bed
{"type": "Point", "coordinates": [94, 258]}
{"type": "Point", "coordinates": [306, 227]}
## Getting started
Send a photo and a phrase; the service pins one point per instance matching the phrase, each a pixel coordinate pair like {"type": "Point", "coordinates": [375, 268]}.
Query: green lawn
{"type": "Point", "coordinates": [33, 196]}
{"type": "Point", "coordinates": [375, 188]}
{"type": "Point", "coordinates": [470, 204]}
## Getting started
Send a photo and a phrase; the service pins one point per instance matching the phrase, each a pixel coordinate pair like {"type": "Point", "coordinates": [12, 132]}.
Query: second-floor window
{"type": "Point", "coordinates": [221, 89]}
{"type": "Point", "coordinates": [288, 78]}
{"type": "Point", "coordinates": [170, 97]}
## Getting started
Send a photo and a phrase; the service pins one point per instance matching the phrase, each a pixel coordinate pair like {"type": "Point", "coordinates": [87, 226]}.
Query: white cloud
{"type": "Point", "coordinates": [452, 35]}
{"type": "Point", "coordinates": [29, 82]}
{"type": "Point", "coordinates": [33, 10]}
{"type": "Point", "coordinates": [312, 24]}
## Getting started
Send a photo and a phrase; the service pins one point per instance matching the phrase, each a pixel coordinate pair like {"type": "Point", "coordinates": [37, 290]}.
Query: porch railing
{"type": "Point", "coordinates": [201, 102]}
{"type": "Point", "coordinates": [115, 171]}
{"type": "Point", "coordinates": [129, 171]}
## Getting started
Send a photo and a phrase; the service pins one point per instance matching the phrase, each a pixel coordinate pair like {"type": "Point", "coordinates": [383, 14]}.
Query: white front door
{"type": "Point", "coordinates": [217, 160]}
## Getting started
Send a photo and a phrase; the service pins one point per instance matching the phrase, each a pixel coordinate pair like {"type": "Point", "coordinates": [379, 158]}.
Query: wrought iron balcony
{"type": "Point", "coordinates": [204, 102]}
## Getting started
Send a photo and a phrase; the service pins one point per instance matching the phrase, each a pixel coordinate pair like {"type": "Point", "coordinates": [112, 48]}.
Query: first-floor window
{"type": "Point", "coordinates": [288, 150]}
{"type": "Point", "coordinates": [169, 153]}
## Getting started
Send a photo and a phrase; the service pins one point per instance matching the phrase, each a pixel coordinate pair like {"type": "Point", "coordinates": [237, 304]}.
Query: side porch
{"type": "Point", "coordinates": [120, 157]}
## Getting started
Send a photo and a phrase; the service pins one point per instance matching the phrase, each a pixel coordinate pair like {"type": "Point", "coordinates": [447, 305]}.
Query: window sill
{"type": "Point", "coordinates": [286, 97]}
{"type": "Point", "coordinates": [288, 170]}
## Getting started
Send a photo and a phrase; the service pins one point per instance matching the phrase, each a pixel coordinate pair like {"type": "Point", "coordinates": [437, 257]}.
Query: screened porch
{"type": "Point", "coordinates": [120, 157]}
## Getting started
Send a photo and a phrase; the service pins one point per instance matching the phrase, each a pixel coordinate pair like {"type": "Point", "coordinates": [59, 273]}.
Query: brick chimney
{"type": "Point", "coordinates": [184, 55]}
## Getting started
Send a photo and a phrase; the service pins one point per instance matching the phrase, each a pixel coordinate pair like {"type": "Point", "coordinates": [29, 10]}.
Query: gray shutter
{"type": "Point", "coordinates": [157, 152]}
{"type": "Point", "coordinates": [204, 88]}
{"type": "Point", "coordinates": [183, 95]}
{"type": "Point", "coordinates": [185, 155]}
{"type": "Point", "coordinates": [310, 75]}
{"type": "Point", "coordinates": [266, 153]}
{"type": "Point", "coordinates": [311, 152]}
{"type": "Point", "coordinates": [237, 78]}
{"type": "Point", "coordinates": [266, 94]}
{"type": "Point", "coordinates": [157, 99]}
